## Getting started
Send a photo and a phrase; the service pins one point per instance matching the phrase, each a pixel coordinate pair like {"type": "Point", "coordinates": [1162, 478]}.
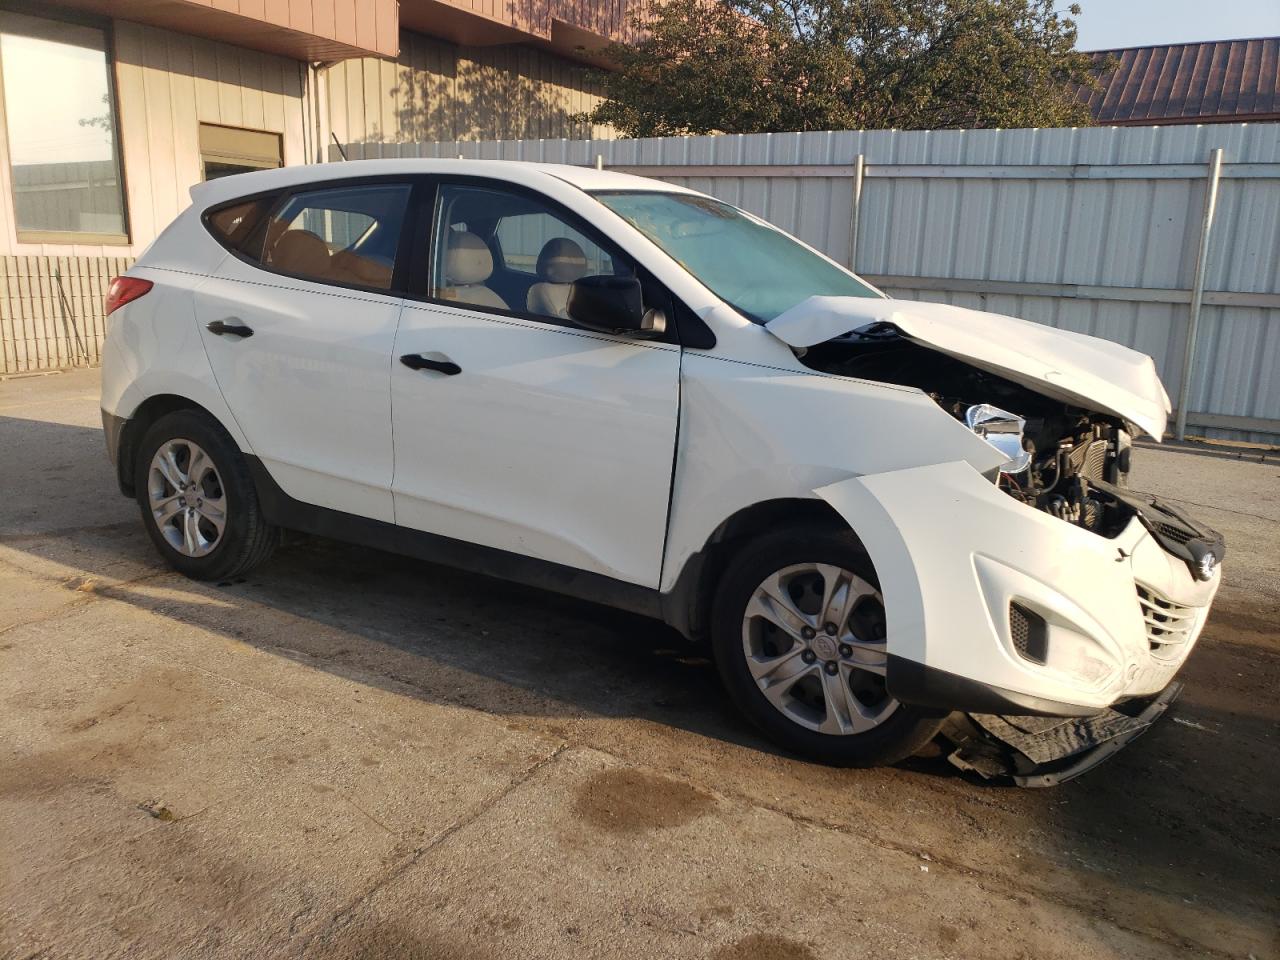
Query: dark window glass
{"type": "Point", "coordinates": [509, 251]}
{"type": "Point", "coordinates": [345, 235]}
{"type": "Point", "coordinates": [226, 151]}
{"type": "Point", "coordinates": [228, 224]}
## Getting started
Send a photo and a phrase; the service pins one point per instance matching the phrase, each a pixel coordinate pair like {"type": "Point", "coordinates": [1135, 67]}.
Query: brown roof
{"type": "Point", "coordinates": [1216, 82]}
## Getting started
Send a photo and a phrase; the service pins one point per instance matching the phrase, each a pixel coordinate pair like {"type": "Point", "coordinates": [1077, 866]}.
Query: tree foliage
{"type": "Point", "coordinates": [754, 66]}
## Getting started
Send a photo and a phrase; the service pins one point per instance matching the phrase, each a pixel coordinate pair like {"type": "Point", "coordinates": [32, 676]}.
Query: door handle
{"type": "Point", "coordinates": [219, 328]}
{"type": "Point", "coordinates": [416, 361]}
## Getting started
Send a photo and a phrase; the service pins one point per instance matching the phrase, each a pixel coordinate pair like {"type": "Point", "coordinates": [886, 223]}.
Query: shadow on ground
{"type": "Point", "coordinates": [1185, 818]}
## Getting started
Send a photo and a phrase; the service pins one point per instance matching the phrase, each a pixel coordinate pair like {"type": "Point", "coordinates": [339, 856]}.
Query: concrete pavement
{"type": "Point", "coordinates": [351, 754]}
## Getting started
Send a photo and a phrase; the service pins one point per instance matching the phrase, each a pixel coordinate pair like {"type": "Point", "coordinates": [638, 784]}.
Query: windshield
{"type": "Point", "coordinates": [752, 266]}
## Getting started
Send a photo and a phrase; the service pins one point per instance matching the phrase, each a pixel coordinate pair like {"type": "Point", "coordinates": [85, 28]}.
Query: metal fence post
{"type": "Point", "coordinates": [1197, 290]}
{"type": "Point", "coordinates": [859, 174]}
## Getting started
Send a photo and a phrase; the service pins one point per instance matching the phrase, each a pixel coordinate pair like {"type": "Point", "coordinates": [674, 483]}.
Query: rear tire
{"type": "Point", "coordinates": [798, 629]}
{"type": "Point", "coordinates": [198, 501]}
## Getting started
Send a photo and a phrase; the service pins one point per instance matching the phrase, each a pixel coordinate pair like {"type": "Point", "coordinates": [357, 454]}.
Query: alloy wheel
{"type": "Point", "coordinates": [814, 639]}
{"type": "Point", "coordinates": [187, 499]}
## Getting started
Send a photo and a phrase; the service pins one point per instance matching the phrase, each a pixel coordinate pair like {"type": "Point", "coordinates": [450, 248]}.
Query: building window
{"type": "Point", "coordinates": [228, 150]}
{"type": "Point", "coordinates": [60, 116]}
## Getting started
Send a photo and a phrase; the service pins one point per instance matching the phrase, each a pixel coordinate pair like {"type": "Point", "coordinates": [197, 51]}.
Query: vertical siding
{"type": "Point", "coordinates": [440, 91]}
{"type": "Point", "coordinates": [1106, 232]}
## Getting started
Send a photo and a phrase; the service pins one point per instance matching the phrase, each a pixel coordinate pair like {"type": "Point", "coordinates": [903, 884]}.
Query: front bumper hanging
{"type": "Point", "coordinates": [1047, 751]}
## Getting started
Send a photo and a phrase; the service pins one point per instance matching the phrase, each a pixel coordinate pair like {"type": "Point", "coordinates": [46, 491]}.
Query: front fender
{"type": "Point", "coordinates": [952, 552]}
{"type": "Point", "coordinates": [751, 433]}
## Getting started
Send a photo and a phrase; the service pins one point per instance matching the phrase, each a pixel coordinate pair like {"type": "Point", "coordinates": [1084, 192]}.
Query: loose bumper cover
{"type": "Point", "coordinates": [958, 559]}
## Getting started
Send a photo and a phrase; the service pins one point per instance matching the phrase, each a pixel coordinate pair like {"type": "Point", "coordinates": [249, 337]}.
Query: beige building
{"type": "Point", "coordinates": [113, 109]}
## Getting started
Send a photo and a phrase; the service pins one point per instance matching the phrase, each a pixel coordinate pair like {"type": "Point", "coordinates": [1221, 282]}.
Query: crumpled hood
{"type": "Point", "coordinates": [1081, 370]}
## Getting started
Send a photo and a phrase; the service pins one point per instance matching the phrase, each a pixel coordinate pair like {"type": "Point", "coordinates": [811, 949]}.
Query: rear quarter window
{"type": "Point", "coordinates": [342, 235]}
{"type": "Point", "coordinates": [233, 223]}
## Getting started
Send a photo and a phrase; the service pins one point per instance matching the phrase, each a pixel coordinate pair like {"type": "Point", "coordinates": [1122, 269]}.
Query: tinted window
{"type": "Point", "coordinates": [230, 224]}
{"type": "Point", "coordinates": [345, 235]}
{"type": "Point", "coordinates": [510, 251]}
{"type": "Point", "coordinates": [523, 236]}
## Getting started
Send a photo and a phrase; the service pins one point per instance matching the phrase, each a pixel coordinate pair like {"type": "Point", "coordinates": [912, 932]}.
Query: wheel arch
{"type": "Point", "coordinates": [687, 606]}
{"type": "Point", "coordinates": [136, 426]}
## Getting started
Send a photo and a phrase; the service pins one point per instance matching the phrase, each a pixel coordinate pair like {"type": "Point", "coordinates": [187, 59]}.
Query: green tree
{"type": "Point", "coordinates": [755, 66]}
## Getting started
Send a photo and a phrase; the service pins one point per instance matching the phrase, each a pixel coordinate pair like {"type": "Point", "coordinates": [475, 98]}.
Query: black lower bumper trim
{"type": "Point", "coordinates": [1086, 761]}
{"type": "Point", "coordinates": [923, 686]}
{"type": "Point", "coordinates": [1048, 752]}
{"type": "Point", "coordinates": [112, 431]}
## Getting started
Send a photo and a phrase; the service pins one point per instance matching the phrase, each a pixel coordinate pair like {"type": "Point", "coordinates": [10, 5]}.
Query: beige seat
{"type": "Point", "coordinates": [300, 252]}
{"type": "Point", "coordinates": [559, 264]}
{"type": "Point", "coordinates": [348, 267]}
{"type": "Point", "coordinates": [467, 265]}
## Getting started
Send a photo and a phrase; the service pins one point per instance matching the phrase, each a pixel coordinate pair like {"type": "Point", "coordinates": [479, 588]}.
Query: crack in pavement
{"type": "Point", "coordinates": [1211, 506]}
{"type": "Point", "coordinates": [344, 916]}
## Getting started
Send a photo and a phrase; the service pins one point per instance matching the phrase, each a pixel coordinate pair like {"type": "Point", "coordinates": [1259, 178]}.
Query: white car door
{"type": "Point", "coordinates": [514, 429]}
{"type": "Point", "coordinates": [299, 327]}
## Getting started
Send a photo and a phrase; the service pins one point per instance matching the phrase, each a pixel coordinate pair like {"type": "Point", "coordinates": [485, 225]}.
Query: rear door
{"type": "Point", "coordinates": [299, 325]}
{"type": "Point", "coordinates": [513, 428]}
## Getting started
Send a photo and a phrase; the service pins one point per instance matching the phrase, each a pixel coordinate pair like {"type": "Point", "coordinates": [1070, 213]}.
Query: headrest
{"type": "Point", "coordinates": [467, 259]}
{"type": "Point", "coordinates": [302, 252]}
{"type": "Point", "coordinates": [561, 261]}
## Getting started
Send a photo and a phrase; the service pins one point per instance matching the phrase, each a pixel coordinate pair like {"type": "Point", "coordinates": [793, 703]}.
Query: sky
{"type": "Point", "coordinates": [1105, 24]}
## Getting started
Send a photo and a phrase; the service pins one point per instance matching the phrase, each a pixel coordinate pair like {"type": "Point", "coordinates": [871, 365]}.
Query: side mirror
{"type": "Point", "coordinates": [613, 305]}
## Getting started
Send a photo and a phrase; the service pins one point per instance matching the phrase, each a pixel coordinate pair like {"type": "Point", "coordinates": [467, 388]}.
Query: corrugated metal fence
{"type": "Point", "coordinates": [1096, 230]}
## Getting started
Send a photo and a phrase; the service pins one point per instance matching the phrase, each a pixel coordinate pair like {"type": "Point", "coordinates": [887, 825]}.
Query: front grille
{"type": "Point", "coordinates": [1175, 533]}
{"type": "Point", "coordinates": [1169, 625]}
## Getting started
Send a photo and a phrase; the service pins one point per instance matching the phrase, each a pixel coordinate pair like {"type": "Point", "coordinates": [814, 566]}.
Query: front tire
{"type": "Point", "coordinates": [798, 629]}
{"type": "Point", "coordinates": [198, 501]}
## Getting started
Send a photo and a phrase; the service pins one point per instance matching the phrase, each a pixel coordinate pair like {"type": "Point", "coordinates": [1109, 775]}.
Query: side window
{"type": "Point", "coordinates": [232, 224]}
{"type": "Point", "coordinates": [523, 237]}
{"type": "Point", "coordinates": [345, 235]}
{"type": "Point", "coordinates": [509, 251]}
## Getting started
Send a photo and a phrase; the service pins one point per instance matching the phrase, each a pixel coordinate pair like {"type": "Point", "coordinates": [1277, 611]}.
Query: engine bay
{"type": "Point", "coordinates": [1069, 456]}
{"type": "Point", "coordinates": [1067, 461]}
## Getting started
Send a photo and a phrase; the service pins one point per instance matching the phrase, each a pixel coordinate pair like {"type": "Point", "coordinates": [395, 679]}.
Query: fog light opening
{"type": "Point", "coordinates": [1030, 634]}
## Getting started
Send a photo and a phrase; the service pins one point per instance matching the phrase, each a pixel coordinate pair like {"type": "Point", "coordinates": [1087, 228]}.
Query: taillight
{"type": "Point", "coordinates": [123, 290]}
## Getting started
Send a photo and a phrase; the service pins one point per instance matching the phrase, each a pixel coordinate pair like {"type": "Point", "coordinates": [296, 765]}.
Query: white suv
{"type": "Point", "coordinates": [877, 511]}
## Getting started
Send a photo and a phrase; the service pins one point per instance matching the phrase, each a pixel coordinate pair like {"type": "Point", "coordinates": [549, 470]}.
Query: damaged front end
{"type": "Point", "coordinates": [1053, 657]}
{"type": "Point", "coordinates": [1047, 751]}
{"type": "Point", "coordinates": [1063, 459]}
{"type": "Point", "coordinates": [1068, 461]}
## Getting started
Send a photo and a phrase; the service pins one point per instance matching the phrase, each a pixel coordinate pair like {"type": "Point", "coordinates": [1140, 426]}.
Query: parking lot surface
{"type": "Point", "coordinates": [351, 754]}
